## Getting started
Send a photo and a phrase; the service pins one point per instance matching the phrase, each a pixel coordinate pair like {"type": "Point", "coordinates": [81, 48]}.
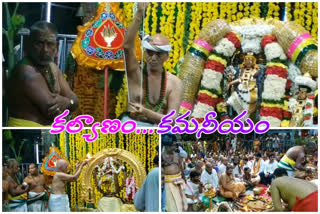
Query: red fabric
{"type": "Point", "coordinates": [271, 111]}
{"type": "Point", "coordinates": [288, 85]}
{"type": "Point", "coordinates": [206, 99]}
{"type": "Point", "coordinates": [286, 114]}
{"type": "Point", "coordinates": [279, 71]}
{"type": "Point", "coordinates": [214, 65]}
{"type": "Point", "coordinates": [234, 39]}
{"type": "Point", "coordinates": [267, 39]}
{"type": "Point", "coordinates": [307, 204]}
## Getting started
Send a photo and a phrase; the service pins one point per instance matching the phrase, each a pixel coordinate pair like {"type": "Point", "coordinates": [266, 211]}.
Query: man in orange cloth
{"type": "Point", "coordinates": [299, 194]}
{"type": "Point", "coordinates": [228, 187]}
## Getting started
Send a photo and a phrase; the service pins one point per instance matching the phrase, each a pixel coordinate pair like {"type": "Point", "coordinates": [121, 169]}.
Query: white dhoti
{"type": "Point", "coordinates": [59, 203]}
{"type": "Point", "coordinates": [36, 202]}
{"type": "Point", "coordinates": [18, 206]}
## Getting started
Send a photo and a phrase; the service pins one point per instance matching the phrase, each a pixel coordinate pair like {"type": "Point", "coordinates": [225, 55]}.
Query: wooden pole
{"type": "Point", "coordinates": [105, 105]}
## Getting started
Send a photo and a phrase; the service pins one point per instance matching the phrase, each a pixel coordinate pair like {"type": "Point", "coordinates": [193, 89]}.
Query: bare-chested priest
{"type": "Point", "coordinates": [161, 91]}
{"type": "Point", "coordinates": [172, 170]}
{"type": "Point", "coordinates": [59, 200]}
{"type": "Point", "coordinates": [37, 90]}
{"type": "Point", "coordinates": [37, 195]}
{"type": "Point", "coordinates": [294, 159]}
{"type": "Point", "coordinates": [17, 191]}
{"type": "Point", "coordinates": [299, 195]}
{"type": "Point", "coordinates": [228, 187]}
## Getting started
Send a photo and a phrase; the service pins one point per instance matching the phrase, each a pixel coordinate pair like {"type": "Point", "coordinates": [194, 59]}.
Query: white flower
{"type": "Point", "coordinates": [273, 51]}
{"type": "Point", "coordinates": [251, 45]}
{"type": "Point", "coordinates": [274, 87]}
{"type": "Point", "coordinates": [201, 110]}
{"type": "Point", "coordinates": [211, 79]}
{"type": "Point", "coordinates": [225, 47]}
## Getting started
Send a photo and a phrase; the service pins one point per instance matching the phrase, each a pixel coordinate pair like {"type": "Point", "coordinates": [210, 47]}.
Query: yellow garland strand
{"type": "Point", "coordinates": [146, 21]}
{"type": "Point", "coordinates": [154, 18]}
{"type": "Point", "coordinates": [128, 11]}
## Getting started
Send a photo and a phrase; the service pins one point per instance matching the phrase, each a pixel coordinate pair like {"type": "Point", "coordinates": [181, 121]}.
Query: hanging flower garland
{"type": "Point", "coordinates": [275, 81]}
{"type": "Point", "coordinates": [209, 95]}
{"type": "Point", "coordinates": [128, 11]}
{"type": "Point", "coordinates": [154, 18]}
{"type": "Point", "coordinates": [122, 97]}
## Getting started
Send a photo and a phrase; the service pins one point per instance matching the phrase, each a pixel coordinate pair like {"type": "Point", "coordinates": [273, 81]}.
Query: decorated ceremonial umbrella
{"type": "Point", "coordinates": [49, 163]}
{"type": "Point", "coordinates": [99, 42]}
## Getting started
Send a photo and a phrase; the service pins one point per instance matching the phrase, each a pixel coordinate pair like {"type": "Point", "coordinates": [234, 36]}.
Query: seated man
{"type": "Point", "coordinates": [161, 91]}
{"type": "Point", "coordinates": [193, 189]}
{"type": "Point", "coordinates": [209, 176]}
{"type": "Point", "coordinates": [228, 187]}
{"type": "Point", "coordinates": [37, 90]}
{"type": "Point", "coordinates": [59, 200]}
{"type": "Point", "coordinates": [300, 195]}
{"type": "Point", "coordinates": [269, 167]}
{"type": "Point", "coordinates": [37, 195]}
{"type": "Point", "coordinates": [250, 180]}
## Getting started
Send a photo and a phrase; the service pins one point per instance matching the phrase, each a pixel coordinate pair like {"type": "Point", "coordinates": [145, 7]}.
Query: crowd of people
{"type": "Point", "coordinates": [231, 173]}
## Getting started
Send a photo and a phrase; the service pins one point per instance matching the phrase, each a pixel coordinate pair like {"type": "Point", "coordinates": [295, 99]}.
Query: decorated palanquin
{"type": "Point", "coordinates": [97, 50]}
{"type": "Point", "coordinates": [102, 178]}
{"type": "Point", "coordinates": [264, 66]}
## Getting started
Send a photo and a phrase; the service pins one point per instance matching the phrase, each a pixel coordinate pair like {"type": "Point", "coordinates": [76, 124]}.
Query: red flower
{"type": "Point", "coordinates": [214, 65]}
{"type": "Point", "coordinates": [267, 39]}
{"type": "Point", "coordinates": [279, 71]}
{"type": "Point", "coordinates": [271, 111]}
{"type": "Point", "coordinates": [206, 99]}
{"type": "Point", "coordinates": [232, 37]}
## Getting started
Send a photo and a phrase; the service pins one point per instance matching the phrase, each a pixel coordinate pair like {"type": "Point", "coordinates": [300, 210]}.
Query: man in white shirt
{"type": "Point", "coordinates": [258, 164]}
{"type": "Point", "coordinates": [234, 144]}
{"type": "Point", "coordinates": [193, 190]}
{"type": "Point", "coordinates": [236, 172]}
{"type": "Point", "coordinates": [209, 176]}
{"type": "Point", "coordinates": [223, 166]}
{"type": "Point", "coordinates": [247, 163]}
{"type": "Point", "coordinates": [269, 167]}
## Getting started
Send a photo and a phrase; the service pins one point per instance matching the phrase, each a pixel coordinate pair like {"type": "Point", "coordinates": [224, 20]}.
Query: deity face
{"type": "Point", "coordinates": [303, 93]}
{"type": "Point", "coordinates": [248, 62]}
{"type": "Point", "coordinates": [43, 48]}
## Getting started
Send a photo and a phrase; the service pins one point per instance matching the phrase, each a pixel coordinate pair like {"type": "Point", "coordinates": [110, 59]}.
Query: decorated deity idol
{"type": "Point", "coordinates": [302, 105]}
{"type": "Point", "coordinates": [244, 95]}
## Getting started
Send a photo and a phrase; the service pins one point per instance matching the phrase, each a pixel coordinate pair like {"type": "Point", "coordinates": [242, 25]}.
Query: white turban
{"type": "Point", "coordinates": [157, 48]}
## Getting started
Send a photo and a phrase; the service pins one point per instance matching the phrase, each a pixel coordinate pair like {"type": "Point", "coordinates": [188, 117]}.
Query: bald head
{"type": "Point", "coordinates": [209, 168]}
{"type": "Point", "coordinates": [62, 165]}
{"type": "Point", "coordinates": [159, 39]}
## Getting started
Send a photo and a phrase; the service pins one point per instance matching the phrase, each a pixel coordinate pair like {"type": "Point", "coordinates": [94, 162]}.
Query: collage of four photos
{"type": "Point", "coordinates": [160, 107]}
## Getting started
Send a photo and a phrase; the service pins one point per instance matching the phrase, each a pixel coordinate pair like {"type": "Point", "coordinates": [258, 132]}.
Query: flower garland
{"type": "Point", "coordinates": [209, 95]}
{"type": "Point", "coordinates": [275, 81]}
{"type": "Point", "coordinates": [288, 11]}
{"type": "Point", "coordinates": [154, 18]}
{"type": "Point", "coordinates": [146, 23]}
{"type": "Point", "coordinates": [121, 105]}
{"type": "Point", "coordinates": [178, 51]}
{"type": "Point", "coordinates": [128, 12]}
